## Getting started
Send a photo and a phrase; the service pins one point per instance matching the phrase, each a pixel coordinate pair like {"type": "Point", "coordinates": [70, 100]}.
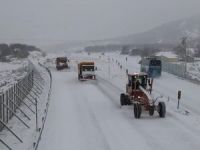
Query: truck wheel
{"type": "Point", "coordinates": [137, 110]}
{"type": "Point", "coordinates": [127, 99]}
{"type": "Point", "coordinates": [79, 77]}
{"type": "Point", "coordinates": [151, 110]}
{"type": "Point", "coordinates": [161, 109]}
{"type": "Point", "coordinates": [122, 99]}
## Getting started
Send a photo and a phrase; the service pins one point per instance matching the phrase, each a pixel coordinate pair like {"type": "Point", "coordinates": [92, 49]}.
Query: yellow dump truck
{"type": "Point", "coordinates": [86, 70]}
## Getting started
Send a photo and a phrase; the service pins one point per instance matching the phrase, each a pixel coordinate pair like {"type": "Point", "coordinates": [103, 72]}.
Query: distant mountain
{"type": "Point", "coordinates": [167, 33]}
{"type": "Point", "coordinates": [73, 45]}
{"type": "Point", "coordinates": [64, 46]}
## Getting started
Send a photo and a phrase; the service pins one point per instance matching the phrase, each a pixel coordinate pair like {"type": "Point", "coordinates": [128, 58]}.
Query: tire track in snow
{"type": "Point", "coordinates": [71, 124]}
{"type": "Point", "coordinates": [173, 119]}
{"type": "Point", "coordinates": [94, 121]}
{"type": "Point", "coordinates": [113, 132]}
{"type": "Point", "coordinates": [148, 138]}
{"type": "Point", "coordinates": [87, 115]}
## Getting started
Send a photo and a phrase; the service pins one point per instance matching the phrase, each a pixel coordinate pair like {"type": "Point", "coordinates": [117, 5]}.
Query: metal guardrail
{"type": "Point", "coordinates": [178, 70]}
{"type": "Point", "coordinates": [11, 100]}
{"type": "Point", "coordinates": [25, 92]}
{"type": "Point", "coordinates": [36, 144]}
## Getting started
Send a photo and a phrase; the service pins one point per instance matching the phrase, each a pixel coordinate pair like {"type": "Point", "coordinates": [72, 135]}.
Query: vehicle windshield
{"type": "Point", "coordinates": [141, 80]}
{"type": "Point", "coordinates": [155, 63]}
{"type": "Point", "coordinates": [88, 68]}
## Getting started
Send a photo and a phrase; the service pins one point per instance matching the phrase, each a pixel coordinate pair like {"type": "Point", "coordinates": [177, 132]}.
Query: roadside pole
{"type": "Point", "coordinates": [109, 66]}
{"type": "Point", "coordinates": [179, 97]}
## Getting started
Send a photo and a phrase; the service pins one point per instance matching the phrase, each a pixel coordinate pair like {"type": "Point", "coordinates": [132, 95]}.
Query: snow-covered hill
{"type": "Point", "coordinates": [167, 33]}
{"type": "Point", "coordinates": [11, 72]}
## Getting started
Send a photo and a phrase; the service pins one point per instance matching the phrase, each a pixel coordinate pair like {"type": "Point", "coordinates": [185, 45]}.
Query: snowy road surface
{"type": "Point", "coordinates": [87, 116]}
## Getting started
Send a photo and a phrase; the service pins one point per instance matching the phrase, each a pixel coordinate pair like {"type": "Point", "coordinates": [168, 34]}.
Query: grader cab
{"type": "Point", "coordinates": [138, 94]}
{"type": "Point", "coordinates": [86, 70]}
{"type": "Point", "coordinates": [62, 63]}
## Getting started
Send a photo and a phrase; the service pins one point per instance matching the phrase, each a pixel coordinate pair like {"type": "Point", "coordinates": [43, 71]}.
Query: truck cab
{"type": "Point", "coordinates": [62, 63]}
{"type": "Point", "coordinates": [86, 70]}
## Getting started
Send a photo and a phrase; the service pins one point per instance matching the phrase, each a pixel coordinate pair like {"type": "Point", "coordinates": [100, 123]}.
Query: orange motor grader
{"type": "Point", "coordinates": [86, 70]}
{"type": "Point", "coordinates": [138, 94]}
{"type": "Point", "coordinates": [62, 63]}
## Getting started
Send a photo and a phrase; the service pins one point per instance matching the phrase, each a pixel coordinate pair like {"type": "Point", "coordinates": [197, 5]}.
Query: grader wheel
{"type": "Point", "coordinates": [124, 99]}
{"type": "Point", "coordinates": [161, 109]}
{"type": "Point", "coordinates": [151, 110]}
{"type": "Point", "coordinates": [79, 77]}
{"type": "Point", "coordinates": [137, 110]}
{"type": "Point", "coordinates": [128, 101]}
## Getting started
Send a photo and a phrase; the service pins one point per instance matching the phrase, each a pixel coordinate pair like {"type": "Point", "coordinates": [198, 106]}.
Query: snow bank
{"type": "Point", "coordinates": [12, 72]}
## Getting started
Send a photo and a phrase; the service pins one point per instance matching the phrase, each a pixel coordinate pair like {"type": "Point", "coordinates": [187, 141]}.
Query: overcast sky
{"type": "Point", "coordinates": [63, 20]}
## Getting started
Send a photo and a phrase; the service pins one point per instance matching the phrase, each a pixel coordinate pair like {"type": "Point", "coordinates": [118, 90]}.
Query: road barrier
{"type": "Point", "coordinates": [12, 98]}
{"type": "Point", "coordinates": [36, 144]}
{"type": "Point", "coordinates": [179, 69]}
{"type": "Point", "coordinates": [176, 69]}
{"type": "Point", "coordinates": [25, 91]}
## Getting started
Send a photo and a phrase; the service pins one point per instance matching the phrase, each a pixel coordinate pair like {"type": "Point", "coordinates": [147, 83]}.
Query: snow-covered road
{"type": "Point", "coordinates": [87, 116]}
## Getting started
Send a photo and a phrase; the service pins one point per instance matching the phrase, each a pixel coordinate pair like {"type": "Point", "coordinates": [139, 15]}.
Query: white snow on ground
{"type": "Point", "coordinates": [167, 54]}
{"type": "Point", "coordinates": [194, 70]}
{"type": "Point", "coordinates": [11, 72]}
{"type": "Point", "coordinates": [87, 115]}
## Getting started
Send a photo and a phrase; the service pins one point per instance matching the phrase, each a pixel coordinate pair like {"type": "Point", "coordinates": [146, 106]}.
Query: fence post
{"type": "Point", "coordinates": [36, 115]}
{"type": "Point", "coordinates": [1, 111]}
{"type": "Point", "coordinates": [3, 98]}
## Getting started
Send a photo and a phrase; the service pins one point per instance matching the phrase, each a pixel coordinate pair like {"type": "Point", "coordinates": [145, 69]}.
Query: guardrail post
{"type": "Point", "coordinates": [1, 111]}
{"type": "Point", "coordinates": [7, 110]}
{"type": "Point", "coordinates": [35, 144]}
{"type": "Point", "coordinates": [3, 97]}
{"type": "Point", "coordinates": [17, 137]}
{"type": "Point", "coordinates": [6, 145]}
{"type": "Point", "coordinates": [36, 116]}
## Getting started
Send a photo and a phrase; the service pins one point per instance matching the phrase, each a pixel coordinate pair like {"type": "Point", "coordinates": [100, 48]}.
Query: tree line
{"type": "Point", "coordinates": [15, 50]}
